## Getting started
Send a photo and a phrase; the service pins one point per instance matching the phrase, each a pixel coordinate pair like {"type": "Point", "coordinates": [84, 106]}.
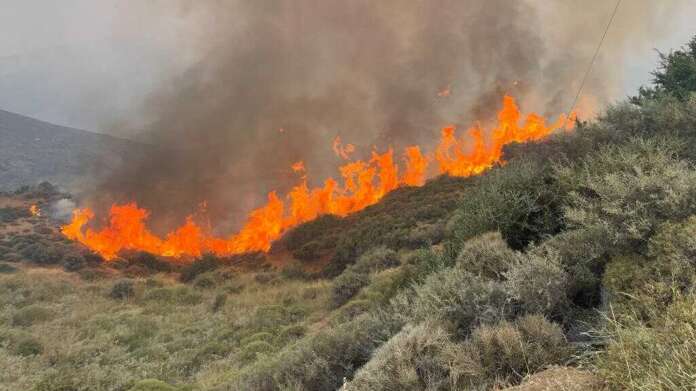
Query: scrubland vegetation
{"type": "Point", "coordinates": [577, 257]}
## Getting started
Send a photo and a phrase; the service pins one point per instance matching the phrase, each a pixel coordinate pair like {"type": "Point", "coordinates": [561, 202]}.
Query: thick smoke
{"type": "Point", "coordinates": [277, 80]}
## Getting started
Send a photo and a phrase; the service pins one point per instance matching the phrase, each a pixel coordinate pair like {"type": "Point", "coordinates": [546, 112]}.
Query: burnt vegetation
{"type": "Point", "coordinates": [579, 252]}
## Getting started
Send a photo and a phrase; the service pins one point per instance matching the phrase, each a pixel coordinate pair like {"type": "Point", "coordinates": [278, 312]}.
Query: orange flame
{"type": "Point", "coordinates": [34, 210]}
{"type": "Point", "coordinates": [363, 183]}
{"type": "Point", "coordinates": [341, 150]}
{"type": "Point", "coordinates": [298, 166]}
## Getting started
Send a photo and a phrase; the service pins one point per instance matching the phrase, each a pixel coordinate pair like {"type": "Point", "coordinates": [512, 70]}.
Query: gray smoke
{"type": "Point", "coordinates": [369, 71]}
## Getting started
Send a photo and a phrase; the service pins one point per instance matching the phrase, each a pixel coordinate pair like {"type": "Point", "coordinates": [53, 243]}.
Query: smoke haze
{"type": "Point", "coordinates": [275, 81]}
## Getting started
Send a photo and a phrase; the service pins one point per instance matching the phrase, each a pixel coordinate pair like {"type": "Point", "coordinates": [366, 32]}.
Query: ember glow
{"type": "Point", "coordinates": [362, 183]}
{"type": "Point", "coordinates": [34, 210]}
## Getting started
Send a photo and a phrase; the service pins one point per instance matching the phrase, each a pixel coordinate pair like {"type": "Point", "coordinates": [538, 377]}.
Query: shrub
{"type": "Point", "coordinates": [488, 256]}
{"type": "Point", "coordinates": [319, 361]}
{"type": "Point", "coordinates": [290, 333]}
{"type": "Point", "coordinates": [520, 200]}
{"type": "Point", "coordinates": [417, 358]}
{"type": "Point", "coordinates": [265, 277]}
{"type": "Point", "coordinates": [674, 248]}
{"type": "Point", "coordinates": [511, 350]}
{"type": "Point", "coordinates": [426, 357]}
{"type": "Point", "coordinates": [43, 253]}
{"type": "Point", "coordinates": [219, 302]}
{"type": "Point", "coordinates": [425, 234]}
{"type": "Point", "coordinates": [294, 271]}
{"type": "Point", "coordinates": [27, 346]}
{"type": "Point", "coordinates": [30, 315]}
{"type": "Point", "coordinates": [308, 252]}
{"type": "Point", "coordinates": [6, 269]}
{"type": "Point", "coordinates": [625, 192]}
{"type": "Point", "coordinates": [204, 281]}
{"type": "Point", "coordinates": [73, 263]}
{"type": "Point", "coordinates": [251, 351]}
{"type": "Point", "coordinates": [421, 263]}
{"type": "Point", "coordinates": [206, 263]}
{"type": "Point", "coordinates": [122, 289]}
{"type": "Point", "coordinates": [376, 259]}
{"type": "Point", "coordinates": [136, 333]}
{"type": "Point", "coordinates": [456, 296]}
{"type": "Point", "coordinates": [9, 214]}
{"type": "Point", "coordinates": [263, 336]}
{"type": "Point", "coordinates": [538, 284]}
{"type": "Point", "coordinates": [347, 285]}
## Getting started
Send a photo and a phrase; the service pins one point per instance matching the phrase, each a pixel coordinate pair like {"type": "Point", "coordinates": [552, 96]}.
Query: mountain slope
{"type": "Point", "coordinates": [32, 151]}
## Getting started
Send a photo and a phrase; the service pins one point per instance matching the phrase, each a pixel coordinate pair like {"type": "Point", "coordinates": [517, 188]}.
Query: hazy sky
{"type": "Point", "coordinates": [91, 63]}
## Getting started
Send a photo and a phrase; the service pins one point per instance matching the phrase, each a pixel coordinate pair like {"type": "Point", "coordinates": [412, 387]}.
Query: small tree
{"type": "Point", "coordinates": [675, 75]}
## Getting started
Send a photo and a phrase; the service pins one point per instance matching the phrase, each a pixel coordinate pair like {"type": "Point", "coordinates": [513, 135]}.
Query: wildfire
{"type": "Point", "coordinates": [34, 210]}
{"type": "Point", "coordinates": [298, 166]}
{"type": "Point", "coordinates": [363, 183]}
{"type": "Point", "coordinates": [341, 150]}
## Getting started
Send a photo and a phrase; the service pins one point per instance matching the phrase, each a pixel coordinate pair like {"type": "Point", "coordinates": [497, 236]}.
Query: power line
{"type": "Point", "coordinates": [594, 57]}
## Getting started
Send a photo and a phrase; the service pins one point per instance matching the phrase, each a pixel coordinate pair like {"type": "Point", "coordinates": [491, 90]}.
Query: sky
{"type": "Point", "coordinates": [92, 64]}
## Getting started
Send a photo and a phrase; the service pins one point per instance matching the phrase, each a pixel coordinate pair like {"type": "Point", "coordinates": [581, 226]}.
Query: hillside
{"type": "Point", "coordinates": [32, 151]}
{"type": "Point", "coordinates": [569, 267]}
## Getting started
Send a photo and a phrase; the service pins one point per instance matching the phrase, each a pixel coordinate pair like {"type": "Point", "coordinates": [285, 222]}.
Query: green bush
{"type": "Point", "coordinates": [488, 256]}
{"type": "Point", "coordinates": [7, 269]}
{"type": "Point", "coordinates": [43, 253]}
{"type": "Point", "coordinates": [427, 357]}
{"type": "Point", "coordinates": [219, 302]}
{"type": "Point", "coordinates": [122, 289]}
{"type": "Point", "coordinates": [290, 333]}
{"type": "Point", "coordinates": [521, 200]}
{"type": "Point", "coordinates": [625, 192]}
{"type": "Point", "coordinates": [319, 361]}
{"type": "Point", "coordinates": [538, 284]}
{"type": "Point", "coordinates": [253, 350]}
{"type": "Point", "coordinates": [206, 263]}
{"type": "Point", "coordinates": [419, 357]}
{"type": "Point", "coordinates": [27, 346]}
{"type": "Point", "coordinates": [308, 252]}
{"type": "Point", "coordinates": [204, 281]}
{"type": "Point", "coordinates": [456, 296]}
{"type": "Point", "coordinates": [9, 214]}
{"type": "Point", "coordinates": [294, 271]}
{"type": "Point", "coordinates": [30, 315]}
{"type": "Point", "coordinates": [347, 285]}
{"type": "Point", "coordinates": [511, 350]}
{"type": "Point", "coordinates": [425, 234]}
{"type": "Point", "coordinates": [73, 263]}
{"type": "Point", "coordinates": [376, 259]}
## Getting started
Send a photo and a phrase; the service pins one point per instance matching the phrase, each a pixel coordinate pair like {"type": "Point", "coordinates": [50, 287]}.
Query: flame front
{"type": "Point", "coordinates": [363, 183]}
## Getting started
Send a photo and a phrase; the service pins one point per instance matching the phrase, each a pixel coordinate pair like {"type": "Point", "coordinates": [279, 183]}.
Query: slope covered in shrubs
{"type": "Point", "coordinates": [579, 252]}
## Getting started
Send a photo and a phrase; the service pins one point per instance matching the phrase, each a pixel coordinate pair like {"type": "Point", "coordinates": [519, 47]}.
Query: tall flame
{"type": "Point", "coordinates": [363, 183]}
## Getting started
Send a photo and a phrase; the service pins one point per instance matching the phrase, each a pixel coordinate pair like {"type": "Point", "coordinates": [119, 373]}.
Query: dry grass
{"type": "Point", "coordinates": [167, 330]}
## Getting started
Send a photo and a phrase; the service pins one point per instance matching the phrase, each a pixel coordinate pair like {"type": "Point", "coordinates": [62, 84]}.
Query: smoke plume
{"type": "Point", "coordinates": [276, 81]}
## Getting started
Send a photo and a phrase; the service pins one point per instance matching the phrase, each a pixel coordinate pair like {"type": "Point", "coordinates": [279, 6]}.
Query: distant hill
{"type": "Point", "coordinates": [32, 151]}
